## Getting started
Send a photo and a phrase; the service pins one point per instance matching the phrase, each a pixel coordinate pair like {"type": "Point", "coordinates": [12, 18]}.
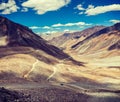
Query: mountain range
{"type": "Point", "coordinates": [63, 40]}
{"type": "Point", "coordinates": [90, 40]}
{"type": "Point", "coordinates": [22, 48]}
{"type": "Point", "coordinates": [80, 66]}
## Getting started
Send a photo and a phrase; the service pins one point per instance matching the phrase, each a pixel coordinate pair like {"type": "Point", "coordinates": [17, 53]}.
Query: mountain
{"type": "Point", "coordinates": [68, 39]}
{"type": "Point", "coordinates": [13, 34]}
{"type": "Point", "coordinates": [105, 39]}
{"type": "Point", "coordinates": [98, 46]}
{"type": "Point", "coordinates": [24, 54]}
{"type": "Point", "coordinates": [39, 71]}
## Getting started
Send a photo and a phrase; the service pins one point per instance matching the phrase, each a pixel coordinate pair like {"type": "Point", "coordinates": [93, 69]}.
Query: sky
{"type": "Point", "coordinates": [51, 16]}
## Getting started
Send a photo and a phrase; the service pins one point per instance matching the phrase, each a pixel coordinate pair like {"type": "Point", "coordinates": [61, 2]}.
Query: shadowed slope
{"type": "Point", "coordinates": [18, 35]}
{"type": "Point", "coordinates": [115, 46]}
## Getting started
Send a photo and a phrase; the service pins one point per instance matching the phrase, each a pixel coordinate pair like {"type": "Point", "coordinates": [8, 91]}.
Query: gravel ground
{"type": "Point", "coordinates": [55, 93]}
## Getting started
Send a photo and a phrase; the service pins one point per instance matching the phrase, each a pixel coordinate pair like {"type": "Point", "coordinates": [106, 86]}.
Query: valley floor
{"type": "Point", "coordinates": [64, 92]}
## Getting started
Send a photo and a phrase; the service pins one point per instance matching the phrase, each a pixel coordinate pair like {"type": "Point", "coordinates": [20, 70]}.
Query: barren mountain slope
{"type": "Point", "coordinates": [23, 53]}
{"type": "Point", "coordinates": [13, 34]}
{"type": "Point", "coordinates": [100, 43]}
{"type": "Point", "coordinates": [43, 72]}
{"type": "Point", "coordinates": [101, 52]}
{"type": "Point", "coordinates": [68, 39]}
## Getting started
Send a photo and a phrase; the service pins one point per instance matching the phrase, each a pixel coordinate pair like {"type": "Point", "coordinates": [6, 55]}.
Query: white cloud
{"type": "Point", "coordinates": [34, 27]}
{"type": "Point", "coordinates": [43, 6]}
{"type": "Point", "coordinates": [46, 27]}
{"type": "Point", "coordinates": [91, 10]}
{"type": "Point", "coordinates": [38, 27]}
{"type": "Point", "coordinates": [79, 7]}
{"type": "Point", "coordinates": [9, 7]}
{"type": "Point", "coordinates": [57, 25]}
{"type": "Point", "coordinates": [50, 32]}
{"type": "Point", "coordinates": [90, 7]}
{"type": "Point", "coordinates": [114, 21]}
{"type": "Point", "coordinates": [71, 24]}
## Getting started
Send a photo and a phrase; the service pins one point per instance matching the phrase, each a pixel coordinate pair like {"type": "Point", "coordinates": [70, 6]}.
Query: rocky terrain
{"type": "Point", "coordinates": [87, 69]}
{"type": "Point", "coordinates": [34, 92]}
{"type": "Point", "coordinates": [12, 96]}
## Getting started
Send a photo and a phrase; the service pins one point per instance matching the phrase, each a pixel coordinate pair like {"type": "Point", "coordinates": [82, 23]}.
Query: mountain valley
{"type": "Point", "coordinates": [84, 66]}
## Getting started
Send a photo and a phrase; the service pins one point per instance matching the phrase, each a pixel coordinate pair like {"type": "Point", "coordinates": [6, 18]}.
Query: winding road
{"type": "Point", "coordinates": [33, 67]}
{"type": "Point", "coordinates": [56, 67]}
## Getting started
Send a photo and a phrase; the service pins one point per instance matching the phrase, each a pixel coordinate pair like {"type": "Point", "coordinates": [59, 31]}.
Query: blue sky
{"type": "Point", "coordinates": [61, 15]}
